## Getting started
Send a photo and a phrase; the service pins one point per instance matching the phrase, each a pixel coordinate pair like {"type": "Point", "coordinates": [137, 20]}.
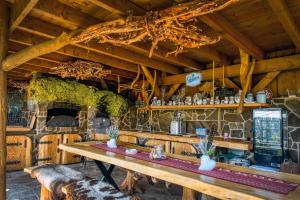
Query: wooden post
{"type": "Point", "coordinates": [3, 94]}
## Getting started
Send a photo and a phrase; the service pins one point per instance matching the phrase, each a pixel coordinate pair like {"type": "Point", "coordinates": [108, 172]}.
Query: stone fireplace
{"type": "Point", "coordinates": [61, 117]}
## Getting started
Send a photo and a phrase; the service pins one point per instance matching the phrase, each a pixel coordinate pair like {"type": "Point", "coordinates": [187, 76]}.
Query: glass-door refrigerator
{"type": "Point", "coordinates": [269, 132]}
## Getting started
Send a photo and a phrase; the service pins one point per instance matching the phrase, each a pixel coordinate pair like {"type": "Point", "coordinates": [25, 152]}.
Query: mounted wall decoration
{"type": "Point", "coordinates": [46, 90]}
{"type": "Point", "coordinates": [193, 79]}
{"type": "Point", "coordinates": [81, 70]}
{"type": "Point", "coordinates": [176, 24]}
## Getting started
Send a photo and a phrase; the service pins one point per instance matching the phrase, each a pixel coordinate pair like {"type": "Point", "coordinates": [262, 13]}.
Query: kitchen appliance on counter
{"type": "Point", "coordinates": [269, 132]}
{"type": "Point", "coordinates": [178, 125]}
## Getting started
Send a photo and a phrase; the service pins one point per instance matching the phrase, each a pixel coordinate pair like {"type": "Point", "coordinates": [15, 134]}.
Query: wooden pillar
{"type": "Point", "coordinates": [3, 94]}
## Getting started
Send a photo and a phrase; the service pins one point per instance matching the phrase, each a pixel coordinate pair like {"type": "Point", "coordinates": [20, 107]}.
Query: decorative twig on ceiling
{"type": "Point", "coordinates": [18, 84]}
{"type": "Point", "coordinates": [176, 24]}
{"type": "Point", "coordinates": [82, 70]}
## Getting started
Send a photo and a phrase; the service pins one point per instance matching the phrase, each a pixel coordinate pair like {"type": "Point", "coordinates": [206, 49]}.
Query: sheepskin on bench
{"type": "Point", "coordinates": [91, 189]}
{"type": "Point", "coordinates": [54, 177]}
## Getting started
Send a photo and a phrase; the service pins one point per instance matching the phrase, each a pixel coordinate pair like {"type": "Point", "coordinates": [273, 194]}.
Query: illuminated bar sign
{"type": "Point", "coordinates": [193, 79]}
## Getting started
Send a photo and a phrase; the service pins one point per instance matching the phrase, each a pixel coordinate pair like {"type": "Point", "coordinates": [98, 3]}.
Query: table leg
{"type": "Point", "coordinates": [107, 175]}
{"type": "Point", "coordinates": [45, 194]}
{"type": "Point", "coordinates": [189, 194]}
{"type": "Point", "coordinates": [109, 171]}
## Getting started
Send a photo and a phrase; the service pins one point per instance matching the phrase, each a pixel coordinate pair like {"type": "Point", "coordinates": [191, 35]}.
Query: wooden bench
{"type": "Point", "coordinates": [52, 178]}
{"type": "Point", "coordinates": [72, 186]}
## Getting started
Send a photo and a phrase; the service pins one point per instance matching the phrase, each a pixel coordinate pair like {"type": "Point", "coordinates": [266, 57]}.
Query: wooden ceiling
{"type": "Point", "coordinates": [257, 26]}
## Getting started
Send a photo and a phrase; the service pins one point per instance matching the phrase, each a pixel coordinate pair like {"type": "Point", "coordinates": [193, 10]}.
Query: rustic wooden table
{"type": "Point", "coordinates": [204, 184]}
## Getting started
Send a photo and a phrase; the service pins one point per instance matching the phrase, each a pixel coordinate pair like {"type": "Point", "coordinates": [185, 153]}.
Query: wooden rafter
{"type": "Point", "coordinates": [120, 7]}
{"type": "Point", "coordinates": [81, 35]}
{"type": "Point", "coordinates": [261, 67]}
{"type": "Point", "coordinates": [207, 52]}
{"type": "Point", "coordinates": [29, 40]}
{"type": "Point", "coordinates": [265, 81]}
{"type": "Point", "coordinates": [219, 23]}
{"type": "Point", "coordinates": [230, 84]}
{"type": "Point", "coordinates": [150, 79]}
{"type": "Point", "coordinates": [282, 12]}
{"type": "Point", "coordinates": [19, 11]}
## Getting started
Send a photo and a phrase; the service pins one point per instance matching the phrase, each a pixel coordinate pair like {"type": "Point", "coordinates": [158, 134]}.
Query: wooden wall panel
{"type": "Point", "coordinates": [19, 149]}
{"type": "Point", "coordinates": [68, 158]}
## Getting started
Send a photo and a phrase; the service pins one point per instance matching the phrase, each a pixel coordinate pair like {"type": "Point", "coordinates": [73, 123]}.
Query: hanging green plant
{"type": "Point", "coordinates": [46, 90]}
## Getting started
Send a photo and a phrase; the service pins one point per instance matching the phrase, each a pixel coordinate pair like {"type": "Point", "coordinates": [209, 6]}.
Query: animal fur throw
{"type": "Point", "coordinates": [177, 24]}
{"type": "Point", "coordinates": [54, 177]}
{"type": "Point", "coordinates": [91, 189]}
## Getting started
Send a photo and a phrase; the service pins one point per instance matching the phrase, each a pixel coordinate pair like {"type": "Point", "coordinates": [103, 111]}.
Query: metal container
{"type": "Point", "coordinates": [261, 97]}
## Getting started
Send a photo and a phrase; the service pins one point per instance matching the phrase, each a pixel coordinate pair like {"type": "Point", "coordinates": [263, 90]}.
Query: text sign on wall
{"type": "Point", "coordinates": [193, 79]}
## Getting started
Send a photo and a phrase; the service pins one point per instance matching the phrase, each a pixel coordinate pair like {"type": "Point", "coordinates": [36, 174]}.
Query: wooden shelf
{"type": "Point", "coordinates": [207, 106]}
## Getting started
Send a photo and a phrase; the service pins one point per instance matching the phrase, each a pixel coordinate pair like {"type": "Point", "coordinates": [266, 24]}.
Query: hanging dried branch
{"type": "Point", "coordinates": [82, 70]}
{"type": "Point", "coordinates": [17, 84]}
{"type": "Point", "coordinates": [176, 24]}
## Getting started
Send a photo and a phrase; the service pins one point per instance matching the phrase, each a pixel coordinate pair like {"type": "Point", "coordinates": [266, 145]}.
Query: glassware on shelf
{"type": "Point", "coordinates": [237, 97]}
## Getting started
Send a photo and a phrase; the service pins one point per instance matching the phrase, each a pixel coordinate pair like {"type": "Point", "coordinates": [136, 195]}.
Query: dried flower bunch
{"type": "Point", "coordinates": [17, 84]}
{"type": "Point", "coordinates": [112, 132]}
{"type": "Point", "coordinates": [176, 24]}
{"type": "Point", "coordinates": [205, 148]}
{"type": "Point", "coordinates": [82, 70]}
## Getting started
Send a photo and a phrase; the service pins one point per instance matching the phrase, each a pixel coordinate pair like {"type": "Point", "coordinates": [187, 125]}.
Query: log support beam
{"type": "Point", "coordinates": [3, 95]}
{"type": "Point", "coordinates": [262, 67]}
{"type": "Point", "coordinates": [282, 12]}
{"type": "Point", "coordinates": [265, 81]}
{"type": "Point", "coordinates": [245, 86]}
{"type": "Point", "coordinates": [150, 79]}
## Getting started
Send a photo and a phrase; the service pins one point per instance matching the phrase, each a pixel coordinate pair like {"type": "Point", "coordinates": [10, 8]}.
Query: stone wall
{"type": "Point", "coordinates": [292, 105]}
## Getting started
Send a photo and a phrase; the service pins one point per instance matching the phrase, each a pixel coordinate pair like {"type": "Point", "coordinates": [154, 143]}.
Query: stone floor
{"type": "Point", "coordinates": [20, 186]}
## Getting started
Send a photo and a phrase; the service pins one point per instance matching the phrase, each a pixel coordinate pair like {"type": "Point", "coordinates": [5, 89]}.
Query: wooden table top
{"type": "Point", "coordinates": [208, 185]}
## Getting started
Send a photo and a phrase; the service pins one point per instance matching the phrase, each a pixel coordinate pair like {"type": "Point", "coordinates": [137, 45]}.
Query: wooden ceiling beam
{"type": "Point", "coordinates": [261, 67]}
{"type": "Point", "coordinates": [73, 51]}
{"type": "Point", "coordinates": [208, 53]}
{"type": "Point", "coordinates": [221, 24]}
{"type": "Point", "coordinates": [19, 11]}
{"type": "Point", "coordinates": [51, 11]}
{"type": "Point", "coordinates": [211, 54]}
{"type": "Point", "coordinates": [286, 19]}
{"type": "Point", "coordinates": [150, 79]}
{"type": "Point", "coordinates": [121, 7]}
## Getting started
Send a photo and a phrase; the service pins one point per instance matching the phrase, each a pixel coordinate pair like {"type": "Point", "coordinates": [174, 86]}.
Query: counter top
{"type": "Point", "coordinates": [218, 141]}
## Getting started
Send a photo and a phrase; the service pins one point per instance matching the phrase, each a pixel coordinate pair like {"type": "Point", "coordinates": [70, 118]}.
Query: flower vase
{"type": "Point", "coordinates": [207, 164]}
{"type": "Point", "coordinates": [112, 143]}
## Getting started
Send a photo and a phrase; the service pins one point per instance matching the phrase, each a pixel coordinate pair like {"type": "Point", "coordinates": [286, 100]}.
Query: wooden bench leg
{"type": "Point", "coordinates": [189, 194]}
{"type": "Point", "coordinates": [45, 194]}
{"type": "Point", "coordinates": [129, 185]}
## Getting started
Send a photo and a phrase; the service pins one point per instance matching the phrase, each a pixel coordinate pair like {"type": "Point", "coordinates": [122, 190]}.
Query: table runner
{"type": "Point", "coordinates": [253, 180]}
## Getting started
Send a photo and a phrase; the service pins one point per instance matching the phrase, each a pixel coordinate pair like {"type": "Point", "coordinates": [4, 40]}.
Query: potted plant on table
{"type": "Point", "coordinates": [206, 163]}
{"type": "Point", "coordinates": [112, 132]}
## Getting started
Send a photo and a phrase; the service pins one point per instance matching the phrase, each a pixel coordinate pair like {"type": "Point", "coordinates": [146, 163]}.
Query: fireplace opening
{"type": "Point", "coordinates": [62, 114]}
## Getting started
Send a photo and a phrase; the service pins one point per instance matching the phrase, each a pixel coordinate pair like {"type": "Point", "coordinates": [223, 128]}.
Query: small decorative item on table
{"type": "Point", "coordinates": [206, 163]}
{"type": "Point", "coordinates": [112, 132]}
{"type": "Point", "coordinates": [226, 136]}
{"type": "Point", "coordinates": [158, 153]}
